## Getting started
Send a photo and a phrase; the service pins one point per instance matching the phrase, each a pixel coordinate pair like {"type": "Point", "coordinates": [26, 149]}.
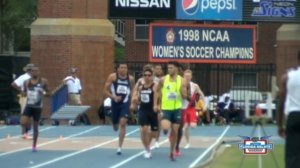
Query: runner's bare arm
{"type": "Point", "coordinates": [200, 92]}
{"type": "Point", "coordinates": [157, 94]}
{"type": "Point", "coordinates": [183, 89]}
{"type": "Point", "coordinates": [134, 99]}
{"type": "Point", "coordinates": [25, 87]}
{"type": "Point", "coordinates": [107, 85]}
{"type": "Point", "coordinates": [47, 91]}
{"type": "Point", "coordinates": [280, 113]}
{"type": "Point", "coordinates": [132, 83]}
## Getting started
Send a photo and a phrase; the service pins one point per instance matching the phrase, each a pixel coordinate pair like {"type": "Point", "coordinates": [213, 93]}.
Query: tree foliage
{"type": "Point", "coordinates": [16, 18]}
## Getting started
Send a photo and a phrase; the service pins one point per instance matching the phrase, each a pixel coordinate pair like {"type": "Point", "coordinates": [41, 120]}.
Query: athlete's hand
{"type": "Point", "coordinates": [156, 108]}
{"type": "Point", "coordinates": [117, 99]}
{"type": "Point", "coordinates": [132, 108]}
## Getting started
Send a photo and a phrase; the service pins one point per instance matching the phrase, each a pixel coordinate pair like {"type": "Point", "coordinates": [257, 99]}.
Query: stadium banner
{"type": "Point", "coordinates": [271, 10]}
{"type": "Point", "coordinates": [225, 10]}
{"type": "Point", "coordinates": [202, 43]}
{"type": "Point", "coordinates": [142, 9]}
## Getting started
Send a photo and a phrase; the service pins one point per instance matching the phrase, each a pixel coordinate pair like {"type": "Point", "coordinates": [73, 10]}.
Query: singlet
{"type": "Point", "coordinates": [191, 92]}
{"type": "Point", "coordinates": [121, 87]}
{"type": "Point", "coordinates": [146, 98]}
{"type": "Point", "coordinates": [293, 91]}
{"type": "Point", "coordinates": [171, 96]}
{"type": "Point", "coordinates": [35, 94]}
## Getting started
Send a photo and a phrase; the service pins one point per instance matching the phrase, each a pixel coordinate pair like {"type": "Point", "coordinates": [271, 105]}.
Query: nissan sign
{"type": "Point", "coordinates": [143, 9]}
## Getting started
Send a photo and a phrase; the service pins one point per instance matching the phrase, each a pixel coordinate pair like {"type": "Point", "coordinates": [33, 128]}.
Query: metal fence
{"type": "Point", "coordinates": [217, 79]}
{"type": "Point", "coordinates": [246, 84]}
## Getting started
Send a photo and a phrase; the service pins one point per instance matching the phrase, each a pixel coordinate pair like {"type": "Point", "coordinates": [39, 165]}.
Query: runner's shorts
{"type": "Point", "coordinates": [118, 111]}
{"type": "Point", "coordinates": [148, 118]}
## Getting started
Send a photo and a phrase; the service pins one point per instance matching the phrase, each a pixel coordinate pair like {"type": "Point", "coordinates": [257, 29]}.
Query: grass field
{"type": "Point", "coordinates": [232, 156]}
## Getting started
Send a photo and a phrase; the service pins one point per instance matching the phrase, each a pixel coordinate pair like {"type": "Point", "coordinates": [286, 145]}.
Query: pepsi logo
{"type": "Point", "coordinates": [190, 7]}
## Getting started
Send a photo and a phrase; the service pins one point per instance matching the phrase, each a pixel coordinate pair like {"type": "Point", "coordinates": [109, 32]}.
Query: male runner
{"type": "Point", "coordinates": [34, 89]}
{"type": "Point", "coordinates": [188, 113]}
{"type": "Point", "coordinates": [18, 84]}
{"type": "Point", "coordinates": [119, 87]}
{"type": "Point", "coordinates": [147, 117]}
{"type": "Point", "coordinates": [170, 90]}
{"type": "Point", "coordinates": [158, 73]}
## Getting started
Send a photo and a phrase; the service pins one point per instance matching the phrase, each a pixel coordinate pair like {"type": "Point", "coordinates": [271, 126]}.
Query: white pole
{"type": "Point", "coordinates": [269, 105]}
{"type": "Point", "coordinates": [247, 106]}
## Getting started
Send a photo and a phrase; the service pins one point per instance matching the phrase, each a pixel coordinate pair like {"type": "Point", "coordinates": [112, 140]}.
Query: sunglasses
{"type": "Point", "coordinates": [147, 75]}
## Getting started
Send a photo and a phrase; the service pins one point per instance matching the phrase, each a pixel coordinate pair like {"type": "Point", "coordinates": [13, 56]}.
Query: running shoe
{"type": "Point", "coordinates": [187, 146]}
{"type": "Point", "coordinates": [171, 157]}
{"type": "Point", "coordinates": [119, 152]}
{"type": "Point", "coordinates": [177, 152]}
{"type": "Point", "coordinates": [34, 149]}
{"type": "Point", "coordinates": [156, 145]}
{"type": "Point", "coordinates": [147, 155]}
{"type": "Point", "coordinates": [26, 136]}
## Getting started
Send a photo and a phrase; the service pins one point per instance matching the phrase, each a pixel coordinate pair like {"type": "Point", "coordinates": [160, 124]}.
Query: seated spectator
{"type": "Point", "coordinates": [226, 109]}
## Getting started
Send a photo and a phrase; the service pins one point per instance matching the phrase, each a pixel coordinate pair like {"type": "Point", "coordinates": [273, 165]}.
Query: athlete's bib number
{"type": "Point", "coordinates": [122, 89]}
{"type": "Point", "coordinates": [171, 96]}
{"type": "Point", "coordinates": [32, 97]}
{"type": "Point", "coordinates": [145, 98]}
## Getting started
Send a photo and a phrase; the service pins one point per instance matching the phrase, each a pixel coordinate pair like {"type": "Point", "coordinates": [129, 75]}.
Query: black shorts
{"type": "Point", "coordinates": [174, 116]}
{"type": "Point", "coordinates": [33, 112]}
{"type": "Point", "coordinates": [119, 111]}
{"type": "Point", "coordinates": [292, 152]}
{"type": "Point", "coordinates": [147, 118]}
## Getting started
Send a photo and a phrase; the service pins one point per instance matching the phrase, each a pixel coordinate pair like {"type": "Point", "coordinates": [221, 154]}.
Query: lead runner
{"type": "Point", "coordinates": [171, 88]}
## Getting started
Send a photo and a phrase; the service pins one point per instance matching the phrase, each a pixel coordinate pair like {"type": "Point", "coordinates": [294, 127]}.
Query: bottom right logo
{"type": "Point", "coordinates": [255, 145]}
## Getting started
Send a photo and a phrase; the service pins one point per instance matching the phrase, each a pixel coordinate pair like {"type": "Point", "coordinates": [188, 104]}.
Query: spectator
{"type": "Point", "coordinates": [74, 87]}
{"type": "Point", "coordinates": [226, 109]}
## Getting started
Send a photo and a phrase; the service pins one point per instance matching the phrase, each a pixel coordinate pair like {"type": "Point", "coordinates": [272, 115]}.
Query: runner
{"type": "Point", "coordinates": [118, 87]}
{"type": "Point", "coordinates": [147, 117]}
{"type": "Point", "coordinates": [188, 114]}
{"type": "Point", "coordinates": [18, 84]}
{"type": "Point", "coordinates": [158, 73]}
{"type": "Point", "coordinates": [171, 89]}
{"type": "Point", "coordinates": [35, 89]}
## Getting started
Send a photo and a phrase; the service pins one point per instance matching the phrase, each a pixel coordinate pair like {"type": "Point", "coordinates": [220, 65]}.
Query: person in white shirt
{"type": "Point", "coordinates": [18, 84]}
{"type": "Point", "coordinates": [290, 105]}
{"type": "Point", "coordinates": [74, 87]}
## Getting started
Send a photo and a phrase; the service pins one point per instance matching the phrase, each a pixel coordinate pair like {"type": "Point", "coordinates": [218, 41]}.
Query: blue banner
{"type": "Point", "coordinates": [209, 10]}
{"type": "Point", "coordinates": [202, 43]}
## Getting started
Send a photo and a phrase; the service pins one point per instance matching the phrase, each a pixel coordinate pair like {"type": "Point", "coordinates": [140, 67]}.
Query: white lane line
{"type": "Point", "coordinates": [209, 149]}
{"type": "Point", "coordinates": [51, 142]}
{"type": "Point", "coordinates": [134, 156]}
{"type": "Point", "coordinates": [80, 151]}
{"type": "Point", "coordinates": [19, 136]}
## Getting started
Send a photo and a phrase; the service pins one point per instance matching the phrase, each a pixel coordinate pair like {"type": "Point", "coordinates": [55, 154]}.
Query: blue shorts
{"type": "Point", "coordinates": [174, 116]}
{"type": "Point", "coordinates": [118, 111]}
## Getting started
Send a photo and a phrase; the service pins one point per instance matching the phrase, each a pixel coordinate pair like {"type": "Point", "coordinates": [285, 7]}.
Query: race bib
{"type": "Point", "coordinates": [121, 89]}
{"type": "Point", "coordinates": [171, 96]}
{"type": "Point", "coordinates": [32, 97]}
{"type": "Point", "coordinates": [145, 98]}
